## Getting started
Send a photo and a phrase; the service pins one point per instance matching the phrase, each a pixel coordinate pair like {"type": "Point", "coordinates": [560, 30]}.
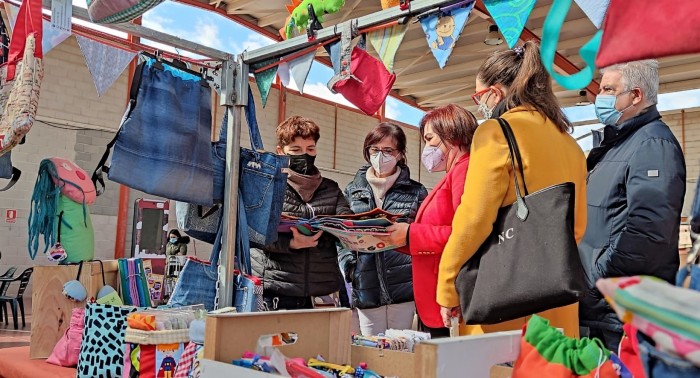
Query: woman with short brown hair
{"type": "Point", "coordinates": [382, 288]}
{"type": "Point", "coordinates": [447, 132]}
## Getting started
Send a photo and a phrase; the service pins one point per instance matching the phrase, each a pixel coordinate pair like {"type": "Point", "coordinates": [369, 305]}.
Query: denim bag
{"type": "Point", "coordinates": [7, 171]}
{"type": "Point", "coordinates": [262, 180]}
{"type": "Point", "coordinates": [658, 364]}
{"type": "Point", "coordinates": [163, 145]}
{"type": "Point", "coordinates": [249, 289]}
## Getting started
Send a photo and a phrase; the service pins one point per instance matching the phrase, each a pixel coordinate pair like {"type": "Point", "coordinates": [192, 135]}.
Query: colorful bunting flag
{"type": "Point", "coordinates": [52, 36]}
{"type": "Point", "coordinates": [265, 78]}
{"type": "Point", "coordinates": [594, 9]}
{"type": "Point", "coordinates": [105, 63]}
{"type": "Point", "coordinates": [443, 30]}
{"type": "Point", "coordinates": [386, 43]}
{"type": "Point", "coordinates": [296, 70]}
{"type": "Point", "coordinates": [510, 16]}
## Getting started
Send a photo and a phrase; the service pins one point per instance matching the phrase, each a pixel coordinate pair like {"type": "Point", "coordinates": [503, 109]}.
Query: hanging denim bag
{"type": "Point", "coordinates": [7, 171]}
{"type": "Point", "coordinates": [249, 289]}
{"type": "Point", "coordinates": [262, 180]}
{"type": "Point", "coordinates": [163, 145]}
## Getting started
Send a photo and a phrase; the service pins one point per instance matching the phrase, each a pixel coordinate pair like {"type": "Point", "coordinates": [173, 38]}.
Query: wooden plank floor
{"type": "Point", "coordinates": [9, 337]}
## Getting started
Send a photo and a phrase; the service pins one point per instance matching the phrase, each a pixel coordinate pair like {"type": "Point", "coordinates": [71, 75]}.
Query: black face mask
{"type": "Point", "coordinates": [302, 164]}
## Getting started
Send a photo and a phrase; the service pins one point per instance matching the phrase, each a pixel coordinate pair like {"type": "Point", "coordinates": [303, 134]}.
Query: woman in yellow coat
{"type": "Point", "coordinates": [514, 85]}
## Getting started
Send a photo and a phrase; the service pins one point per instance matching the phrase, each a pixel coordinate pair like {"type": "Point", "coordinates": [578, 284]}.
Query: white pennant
{"type": "Point", "coordinates": [105, 63]}
{"type": "Point", "coordinates": [52, 36]}
{"type": "Point", "coordinates": [594, 9]}
{"type": "Point", "coordinates": [296, 70]}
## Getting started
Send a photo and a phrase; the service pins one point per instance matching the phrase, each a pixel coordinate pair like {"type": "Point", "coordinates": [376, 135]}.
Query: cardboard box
{"type": "Point", "coordinates": [51, 310]}
{"type": "Point", "coordinates": [323, 332]}
{"type": "Point", "coordinates": [385, 362]}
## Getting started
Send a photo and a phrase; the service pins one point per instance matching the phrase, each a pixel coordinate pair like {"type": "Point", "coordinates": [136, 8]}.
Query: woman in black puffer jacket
{"type": "Point", "coordinates": [296, 268]}
{"type": "Point", "coordinates": [382, 282]}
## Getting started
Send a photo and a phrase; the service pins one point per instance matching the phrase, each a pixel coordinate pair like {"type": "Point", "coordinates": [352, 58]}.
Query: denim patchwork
{"type": "Point", "coordinates": [163, 146]}
{"type": "Point", "coordinates": [659, 364]}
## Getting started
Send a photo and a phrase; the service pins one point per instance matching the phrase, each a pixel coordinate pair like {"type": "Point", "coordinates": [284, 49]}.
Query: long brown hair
{"type": "Point", "coordinates": [528, 82]}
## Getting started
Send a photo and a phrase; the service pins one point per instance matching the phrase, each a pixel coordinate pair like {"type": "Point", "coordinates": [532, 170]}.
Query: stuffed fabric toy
{"type": "Point", "coordinates": [300, 12]}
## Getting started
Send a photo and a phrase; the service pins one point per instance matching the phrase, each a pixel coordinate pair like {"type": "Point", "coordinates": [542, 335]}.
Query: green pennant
{"type": "Point", "coordinates": [264, 78]}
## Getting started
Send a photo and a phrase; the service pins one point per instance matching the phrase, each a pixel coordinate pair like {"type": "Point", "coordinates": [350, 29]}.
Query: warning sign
{"type": "Point", "coordinates": [10, 216]}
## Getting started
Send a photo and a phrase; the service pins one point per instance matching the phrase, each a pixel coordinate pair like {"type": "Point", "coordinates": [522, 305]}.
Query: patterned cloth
{"type": "Point", "coordinates": [187, 360]}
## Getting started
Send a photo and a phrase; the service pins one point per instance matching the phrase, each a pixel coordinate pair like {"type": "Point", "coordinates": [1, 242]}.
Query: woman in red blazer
{"type": "Point", "coordinates": [448, 132]}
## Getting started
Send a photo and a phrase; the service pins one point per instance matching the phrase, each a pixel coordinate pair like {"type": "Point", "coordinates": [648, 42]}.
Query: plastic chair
{"type": "Point", "coordinates": [18, 299]}
{"type": "Point", "coordinates": [3, 290]}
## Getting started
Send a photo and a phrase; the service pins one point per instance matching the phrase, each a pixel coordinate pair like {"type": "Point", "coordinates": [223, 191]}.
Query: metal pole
{"type": "Point", "coordinates": [234, 96]}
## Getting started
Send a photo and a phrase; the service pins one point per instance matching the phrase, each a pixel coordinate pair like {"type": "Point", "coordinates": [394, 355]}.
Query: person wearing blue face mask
{"type": "Point", "coordinates": [177, 245]}
{"type": "Point", "coordinates": [635, 191]}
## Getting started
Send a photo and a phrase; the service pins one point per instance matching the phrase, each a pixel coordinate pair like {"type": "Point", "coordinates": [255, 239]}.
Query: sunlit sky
{"type": "Point", "coordinates": [213, 30]}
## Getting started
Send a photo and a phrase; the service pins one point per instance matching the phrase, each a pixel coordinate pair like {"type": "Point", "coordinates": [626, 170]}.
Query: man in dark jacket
{"type": "Point", "coordinates": [298, 267]}
{"type": "Point", "coordinates": [636, 186]}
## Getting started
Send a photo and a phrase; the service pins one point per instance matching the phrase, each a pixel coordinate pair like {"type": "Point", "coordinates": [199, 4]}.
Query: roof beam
{"type": "Point", "coordinates": [559, 60]}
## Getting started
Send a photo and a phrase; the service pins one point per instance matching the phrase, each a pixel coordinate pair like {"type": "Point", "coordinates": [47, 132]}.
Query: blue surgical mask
{"type": "Point", "coordinates": [605, 109]}
{"type": "Point", "coordinates": [173, 240]}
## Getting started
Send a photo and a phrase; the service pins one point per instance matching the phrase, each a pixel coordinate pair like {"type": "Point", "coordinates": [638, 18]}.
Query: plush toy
{"type": "Point", "coordinates": [300, 13]}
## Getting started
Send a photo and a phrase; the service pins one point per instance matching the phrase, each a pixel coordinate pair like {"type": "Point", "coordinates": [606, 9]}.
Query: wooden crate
{"type": "Point", "coordinates": [323, 332]}
{"type": "Point", "coordinates": [51, 310]}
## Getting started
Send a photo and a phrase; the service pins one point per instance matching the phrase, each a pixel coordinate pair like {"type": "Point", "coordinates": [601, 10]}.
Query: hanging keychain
{"type": "Point", "coordinates": [57, 253]}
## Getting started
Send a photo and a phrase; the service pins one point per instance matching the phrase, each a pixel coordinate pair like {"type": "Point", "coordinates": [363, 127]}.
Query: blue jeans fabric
{"type": "Point", "coordinates": [163, 146]}
{"type": "Point", "coordinates": [262, 183]}
{"type": "Point", "coordinates": [658, 364]}
{"type": "Point", "coordinates": [694, 272]}
{"type": "Point", "coordinates": [197, 281]}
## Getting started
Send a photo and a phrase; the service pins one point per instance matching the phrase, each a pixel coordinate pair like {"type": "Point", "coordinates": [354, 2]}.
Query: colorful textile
{"type": "Point", "coordinates": [547, 353]}
{"type": "Point", "coordinates": [442, 31]}
{"type": "Point", "coordinates": [386, 42]}
{"type": "Point", "coordinates": [669, 315]}
{"type": "Point", "coordinates": [264, 78]}
{"type": "Point", "coordinates": [510, 16]}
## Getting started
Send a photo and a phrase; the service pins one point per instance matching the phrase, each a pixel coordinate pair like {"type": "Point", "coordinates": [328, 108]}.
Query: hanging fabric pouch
{"type": "Point", "coordinates": [649, 29]}
{"type": "Point", "coordinates": [262, 183]}
{"type": "Point", "coordinates": [199, 222]}
{"type": "Point", "coordinates": [21, 76]}
{"type": "Point", "coordinates": [550, 37]}
{"type": "Point", "coordinates": [363, 79]}
{"type": "Point", "coordinates": [163, 146]}
{"type": "Point", "coordinates": [8, 171]}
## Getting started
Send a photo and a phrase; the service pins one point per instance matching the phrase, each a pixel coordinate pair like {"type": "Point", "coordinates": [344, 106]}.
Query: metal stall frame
{"type": "Point", "coordinates": [234, 89]}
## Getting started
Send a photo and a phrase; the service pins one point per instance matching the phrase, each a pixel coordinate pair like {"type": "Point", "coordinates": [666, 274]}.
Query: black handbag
{"type": "Point", "coordinates": [530, 262]}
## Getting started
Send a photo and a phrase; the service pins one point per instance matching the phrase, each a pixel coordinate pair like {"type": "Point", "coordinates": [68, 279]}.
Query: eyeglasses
{"type": "Point", "coordinates": [385, 150]}
{"type": "Point", "coordinates": [477, 96]}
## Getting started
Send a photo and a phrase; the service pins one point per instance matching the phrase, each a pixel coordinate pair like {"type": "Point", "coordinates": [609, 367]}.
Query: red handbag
{"type": "Point", "coordinates": [362, 79]}
{"type": "Point", "coordinates": [646, 29]}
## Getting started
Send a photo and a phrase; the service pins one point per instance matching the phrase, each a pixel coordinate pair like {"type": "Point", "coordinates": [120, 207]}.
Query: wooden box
{"type": "Point", "coordinates": [51, 310]}
{"type": "Point", "coordinates": [323, 332]}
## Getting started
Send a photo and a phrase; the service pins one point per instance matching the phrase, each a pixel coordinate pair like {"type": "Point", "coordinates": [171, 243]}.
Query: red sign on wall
{"type": "Point", "coordinates": [10, 216]}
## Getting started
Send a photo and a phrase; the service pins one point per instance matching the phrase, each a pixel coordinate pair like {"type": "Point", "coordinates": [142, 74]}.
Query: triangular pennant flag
{"type": "Point", "coordinates": [594, 9]}
{"type": "Point", "coordinates": [443, 30]}
{"type": "Point", "coordinates": [510, 16]}
{"type": "Point", "coordinates": [105, 63]}
{"type": "Point", "coordinates": [52, 36]}
{"type": "Point", "coordinates": [297, 70]}
{"type": "Point", "coordinates": [265, 78]}
{"type": "Point", "coordinates": [386, 43]}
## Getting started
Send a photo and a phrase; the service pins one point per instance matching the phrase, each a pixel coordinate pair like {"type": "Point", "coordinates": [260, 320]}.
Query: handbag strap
{"type": "Point", "coordinates": [29, 20]}
{"type": "Point", "coordinates": [550, 37]}
{"type": "Point", "coordinates": [514, 151]}
{"type": "Point", "coordinates": [242, 239]}
{"type": "Point", "coordinates": [256, 142]}
{"type": "Point", "coordinates": [102, 269]}
{"type": "Point", "coordinates": [101, 169]}
{"type": "Point", "coordinates": [16, 173]}
{"type": "Point", "coordinates": [80, 269]}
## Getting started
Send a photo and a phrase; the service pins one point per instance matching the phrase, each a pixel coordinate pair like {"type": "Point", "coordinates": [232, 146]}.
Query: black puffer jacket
{"type": "Point", "coordinates": [383, 278]}
{"type": "Point", "coordinates": [636, 186]}
{"type": "Point", "coordinates": [307, 271]}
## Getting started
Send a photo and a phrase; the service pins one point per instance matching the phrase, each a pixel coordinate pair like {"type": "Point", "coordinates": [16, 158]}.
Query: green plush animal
{"type": "Point", "coordinates": [300, 12]}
